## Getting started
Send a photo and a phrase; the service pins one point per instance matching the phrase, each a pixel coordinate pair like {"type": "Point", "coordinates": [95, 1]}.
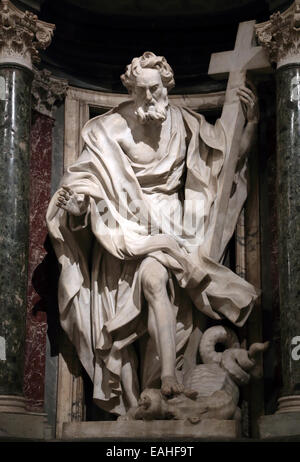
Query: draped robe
{"type": "Point", "coordinates": [104, 252]}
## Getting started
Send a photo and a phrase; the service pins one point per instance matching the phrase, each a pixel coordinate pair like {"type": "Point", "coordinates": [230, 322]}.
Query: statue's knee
{"type": "Point", "coordinates": [154, 279]}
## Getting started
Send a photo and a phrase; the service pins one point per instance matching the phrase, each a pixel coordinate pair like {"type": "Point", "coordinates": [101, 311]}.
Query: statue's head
{"type": "Point", "coordinates": [148, 80]}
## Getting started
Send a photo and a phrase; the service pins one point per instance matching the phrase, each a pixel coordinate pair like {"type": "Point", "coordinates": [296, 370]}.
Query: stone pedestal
{"type": "Point", "coordinates": [25, 425]}
{"type": "Point", "coordinates": [21, 35]}
{"type": "Point", "coordinates": [160, 430]}
{"type": "Point", "coordinates": [281, 38]}
{"type": "Point", "coordinates": [279, 426]}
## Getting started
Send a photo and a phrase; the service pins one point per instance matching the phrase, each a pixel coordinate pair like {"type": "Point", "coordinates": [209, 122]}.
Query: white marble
{"type": "Point", "coordinates": [22, 35]}
{"type": "Point", "coordinates": [131, 271]}
{"type": "Point", "coordinates": [280, 36]}
{"type": "Point", "coordinates": [211, 389]}
{"type": "Point", "coordinates": [162, 430]}
{"type": "Point", "coordinates": [245, 57]}
{"type": "Point", "coordinates": [47, 91]}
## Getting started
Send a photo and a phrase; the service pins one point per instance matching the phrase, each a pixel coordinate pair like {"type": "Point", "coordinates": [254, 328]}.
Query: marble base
{"type": "Point", "coordinates": [10, 403]}
{"type": "Point", "coordinates": [160, 430]}
{"type": "Point", "coordinates": [24, 425]}
{"type": "Point", "coordinates": [279, 425]}
{"type": "Point", "coordinates": [289, 404]}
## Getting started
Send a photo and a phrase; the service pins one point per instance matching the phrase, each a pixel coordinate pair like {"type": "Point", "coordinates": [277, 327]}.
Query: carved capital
{"type": "Point", "coordinates": [47, 91]}
{"type": "Point", "coordinates": [280, 36]}
{"type": "Point", "coordinates": [22, 35]}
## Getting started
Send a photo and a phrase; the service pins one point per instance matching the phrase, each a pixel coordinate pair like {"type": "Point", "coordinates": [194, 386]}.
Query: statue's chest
{"type": "Point", "coordinates": [141, 153]}
{"type": "Point", "coordinates": [144, 149]}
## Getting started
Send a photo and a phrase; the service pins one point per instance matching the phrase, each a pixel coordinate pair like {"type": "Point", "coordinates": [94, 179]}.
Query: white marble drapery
{"type": "Point", "coordinates": [102, 308]}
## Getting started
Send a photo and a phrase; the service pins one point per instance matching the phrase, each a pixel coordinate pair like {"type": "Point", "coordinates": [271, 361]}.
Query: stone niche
{"type": "Point", "coordinates": [77, 416]}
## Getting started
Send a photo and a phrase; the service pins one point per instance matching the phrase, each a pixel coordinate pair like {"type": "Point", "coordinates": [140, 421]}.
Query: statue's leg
{"type": "Point", "coordinates": [129, 376]}
{"type": "Point", "coordinates": [161, 323]}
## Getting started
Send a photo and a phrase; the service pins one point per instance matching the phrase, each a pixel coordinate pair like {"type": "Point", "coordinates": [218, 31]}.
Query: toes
{"type": "Point", "coordinates": [171, 387]}
{"type": "Point", "coordinates": [178, 388]}
{"type": "Point", "coordinates": [192, 394]}
{"type": "Point", "coordinates": [166, 391]}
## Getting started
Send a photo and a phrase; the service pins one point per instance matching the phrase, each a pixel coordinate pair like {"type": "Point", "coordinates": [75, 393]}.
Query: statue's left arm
{"type": "Point", "coordinates": [249, 102]}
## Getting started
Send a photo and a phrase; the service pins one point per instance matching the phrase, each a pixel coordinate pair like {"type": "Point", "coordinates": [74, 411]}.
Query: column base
{"type": "Point", "coordinates": [281, 425]}
{"type": "Point", "coordinates": [11, 403]}
{"type": "Point", "coordinates": [29, 425]}
{"type": "Point", "coordinates": [285, 422]}
{"type": "Point", "coordinates": [16, 422]}
{"type": "Point", "coordinates": [288, 404]}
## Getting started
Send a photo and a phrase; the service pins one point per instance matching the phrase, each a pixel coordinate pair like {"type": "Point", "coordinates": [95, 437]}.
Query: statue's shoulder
{"type": "Point", "coordinates": [187, 113]}
{"type": "Point", "coordinates": [113, 121]}
{"type": "Point", "coordinates": [191, 119]}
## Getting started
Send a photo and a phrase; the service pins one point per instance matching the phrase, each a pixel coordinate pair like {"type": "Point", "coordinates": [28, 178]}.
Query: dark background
{"type": "Point", "coordinates": [95, 39]}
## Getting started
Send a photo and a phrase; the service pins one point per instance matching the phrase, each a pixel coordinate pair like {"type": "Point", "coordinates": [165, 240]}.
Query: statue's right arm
{"type": "Point", "coordinates": [75, 204]}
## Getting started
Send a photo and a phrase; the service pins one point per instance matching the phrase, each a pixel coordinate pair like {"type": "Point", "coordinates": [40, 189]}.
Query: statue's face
{"type": "Point", "coordinates": [148, 87]}
{"type": "Point", "coordinates": [150, 96]}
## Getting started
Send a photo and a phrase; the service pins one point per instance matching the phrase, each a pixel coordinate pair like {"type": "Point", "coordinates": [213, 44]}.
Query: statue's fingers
{"type": "Point", "coordinates": [248, 91]}
{"type": "Point", "coordinates": [246, 95]}
{"type": "Point", "coordinates": [251, 85]}
{"type": "Point", "coordinates": [61, 200]}
{"type": "Point", "coordinates": [246, 101]}
{"type": "Point", "coordinates": [67, 189]}
{"type": "Point", "coordinates": [64, 194]}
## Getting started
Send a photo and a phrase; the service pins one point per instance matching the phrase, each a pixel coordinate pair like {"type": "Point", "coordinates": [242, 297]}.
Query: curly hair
{"type": "Point", "coordinates": [150, 61]}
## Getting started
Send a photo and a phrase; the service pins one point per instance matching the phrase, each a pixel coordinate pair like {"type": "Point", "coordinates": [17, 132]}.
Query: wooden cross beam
{"type": "Point", "coordinates": [245, 56]}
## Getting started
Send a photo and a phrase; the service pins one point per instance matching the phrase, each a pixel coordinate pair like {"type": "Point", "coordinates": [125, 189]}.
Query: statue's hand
{"type": "Point", "coordinates": [71, 201]}
{"type": "Point", "coordinates": [249, 102]}
{"type": "Point", "coordinates": [236, 362]}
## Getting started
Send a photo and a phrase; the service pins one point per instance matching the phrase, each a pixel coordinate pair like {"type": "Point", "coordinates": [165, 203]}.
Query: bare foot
{"type": "Point", "coordinates": [170, 386]}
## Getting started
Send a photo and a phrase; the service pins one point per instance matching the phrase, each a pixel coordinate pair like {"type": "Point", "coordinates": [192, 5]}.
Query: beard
{"type": "Point", "coordinates": [156, 111]}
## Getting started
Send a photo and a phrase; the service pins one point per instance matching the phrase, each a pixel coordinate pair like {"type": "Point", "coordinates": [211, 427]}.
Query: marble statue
{"type": "Point", "coordinates": [211, 389]}
{"type": "Point", "coordinates": [130, 226]}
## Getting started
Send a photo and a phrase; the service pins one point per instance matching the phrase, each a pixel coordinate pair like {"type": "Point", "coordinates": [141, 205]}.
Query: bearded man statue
{"type": "Point", "coordinates": [129, 226]}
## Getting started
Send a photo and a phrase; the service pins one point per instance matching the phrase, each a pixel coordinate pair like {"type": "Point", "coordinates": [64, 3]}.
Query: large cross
{"type": "Point", "coordinates": [245, 56]}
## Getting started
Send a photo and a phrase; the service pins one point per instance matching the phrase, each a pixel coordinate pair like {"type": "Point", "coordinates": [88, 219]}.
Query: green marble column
{"type": "Point", "coordinates": [15, 114]}
{"type": "Point", "coordinates": [288, 178]}
{"type": "Point", "coordinates": [22, 35]}
{"type": "Point", "coordinates": [280, 37]}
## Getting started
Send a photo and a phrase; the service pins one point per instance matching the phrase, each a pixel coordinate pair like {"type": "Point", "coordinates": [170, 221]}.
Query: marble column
{"type": "Point", "coordinates": [21, 36]}
{"type": "Point", "coordinates": [281, 38]}
{"type": "Point", "coordinates": [47, 93]}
